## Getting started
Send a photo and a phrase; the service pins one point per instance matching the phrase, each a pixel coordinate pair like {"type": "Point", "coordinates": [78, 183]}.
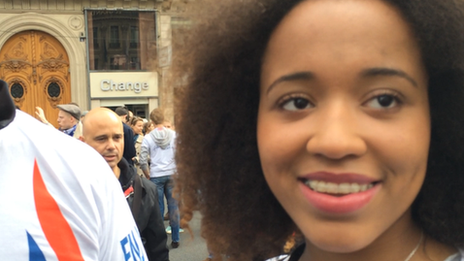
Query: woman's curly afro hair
{"type": "Point", "coordinates": [217, 156]}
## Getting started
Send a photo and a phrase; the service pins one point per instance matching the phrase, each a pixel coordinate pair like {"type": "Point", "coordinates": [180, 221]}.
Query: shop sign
{"type": "Point", "coordinates": [137, 87]}
{"type": "Point", "coordinates": [123, 84]}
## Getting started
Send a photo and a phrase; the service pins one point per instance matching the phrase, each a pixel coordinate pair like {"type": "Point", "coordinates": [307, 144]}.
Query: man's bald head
{"type": "Point", "coordinates": [102, 130]}
{"type": "Point", "coordinates": [95, 117]}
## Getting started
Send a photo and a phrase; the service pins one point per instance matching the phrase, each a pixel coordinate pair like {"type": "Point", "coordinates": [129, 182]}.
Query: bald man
{"type": "Point", "coordinates": [103, 131]}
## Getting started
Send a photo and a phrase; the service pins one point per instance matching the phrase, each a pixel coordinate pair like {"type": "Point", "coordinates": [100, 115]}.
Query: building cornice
{"type": "Point", "coordinates": [73, 6]}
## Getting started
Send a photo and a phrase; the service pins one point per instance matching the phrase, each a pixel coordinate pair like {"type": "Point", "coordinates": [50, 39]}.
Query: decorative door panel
{"type": "Point", "coordinates": [36, 67]}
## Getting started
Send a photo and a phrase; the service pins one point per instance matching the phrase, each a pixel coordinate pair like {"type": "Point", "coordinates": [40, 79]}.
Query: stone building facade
{"type": "Point", "coordinates": [50, 54]}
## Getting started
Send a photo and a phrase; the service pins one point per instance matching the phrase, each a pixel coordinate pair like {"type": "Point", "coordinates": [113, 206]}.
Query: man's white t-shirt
{"type": "Point", "coordinates": [60, 200]}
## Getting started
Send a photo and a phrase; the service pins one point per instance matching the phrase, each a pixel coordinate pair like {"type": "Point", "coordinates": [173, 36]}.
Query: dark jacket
{"type": "Point", "coordinates": [149, 220]}
{"type": "Point", "coordinates": [129, 146]}
{"type": "Point", "coordinates": [7, 108]}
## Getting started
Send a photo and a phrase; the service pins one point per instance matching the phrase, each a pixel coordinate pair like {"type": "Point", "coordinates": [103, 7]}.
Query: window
{"type": "Point", "coordinates": [96, 40]}
{"type": "Point", "coordinates": [53, 90]}
{"type": "Point", "coordinates": [17, 90]}
{"type": "Point", "coordinates": [118, 41]}
{"type": "Point", "coordinates": [134, 36]}
{"type": "Point", "coordinates": [135, 63]}
{"type": "Point", "coordinates": [114, 37]}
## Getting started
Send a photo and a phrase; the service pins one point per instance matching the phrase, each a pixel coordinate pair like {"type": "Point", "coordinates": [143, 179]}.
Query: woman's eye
{"type": "Point", "coordinates": [295, 104]}
{"type": "Point", "coordinates": [384, 101]}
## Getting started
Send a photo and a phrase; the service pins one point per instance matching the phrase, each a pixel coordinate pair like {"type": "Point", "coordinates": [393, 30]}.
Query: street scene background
{"type": "Point", "coordinates": [192, 247]}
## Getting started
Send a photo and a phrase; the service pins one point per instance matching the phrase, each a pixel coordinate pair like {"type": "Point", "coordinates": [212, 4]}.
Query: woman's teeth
{"type": "Point", "coordinates": [334, 188]}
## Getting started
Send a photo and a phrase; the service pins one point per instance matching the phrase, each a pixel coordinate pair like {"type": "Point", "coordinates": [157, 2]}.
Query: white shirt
{"type": "Point", "coordinates": [162, 161]}
{"type": "Point", "coordinates": [60, 200]}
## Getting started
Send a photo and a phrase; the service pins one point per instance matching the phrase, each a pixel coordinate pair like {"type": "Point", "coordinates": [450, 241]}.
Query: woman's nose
{"type": "Point", "coordinates": [337, 133]}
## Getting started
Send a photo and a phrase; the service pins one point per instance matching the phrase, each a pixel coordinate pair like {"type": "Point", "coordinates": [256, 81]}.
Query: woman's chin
{"type": "Point", "coordinates": [339, 243]}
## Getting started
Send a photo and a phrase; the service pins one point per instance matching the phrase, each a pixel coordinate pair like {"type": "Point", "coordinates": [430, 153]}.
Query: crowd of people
{"type": "Point", "coordinates": [64, 202]}
{"type": "Point", "coordinates": [309, 130]}
{"type": "Point", "coordinates": [119, 138]}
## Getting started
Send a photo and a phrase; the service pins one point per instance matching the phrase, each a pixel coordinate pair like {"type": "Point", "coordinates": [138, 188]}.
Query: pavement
{"type": "Point", "coordinates": [192, 246]}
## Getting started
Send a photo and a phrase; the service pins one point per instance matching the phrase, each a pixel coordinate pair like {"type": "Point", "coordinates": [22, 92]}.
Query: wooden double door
{"type": "Point", "coordinates": [36, 67]}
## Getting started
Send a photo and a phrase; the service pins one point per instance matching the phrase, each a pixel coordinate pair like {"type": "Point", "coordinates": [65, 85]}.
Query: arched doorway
{"type": "Point", "coordinates": [36, 67]}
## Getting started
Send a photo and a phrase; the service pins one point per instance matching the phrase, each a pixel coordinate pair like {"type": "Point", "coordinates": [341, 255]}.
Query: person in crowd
{"type": "Point", "coordinates": [129, 148]}
{"type": "Point", "coordinates": [69, 116]}
{"type": "Point", "coordinates": [130, 116]}
{"type": "Point", "coordinates": [159, 146]}
{"type": "Point", "coordinates": [103, 131]}
{"type": "Point", "coordinates": [147, 127]}
{"type": "Point", "coordinates": [167, 124]}
{"type": "Point", "coordinates": [83, 115]}
{"type": "Point", "coordinates": [137, 127]}
{"type": "Point", "coordinates": [60, 209]}
{"type": "Point", "coordinates": [210, 256]}
{"type": "Point", "coordinates": [339, 121]}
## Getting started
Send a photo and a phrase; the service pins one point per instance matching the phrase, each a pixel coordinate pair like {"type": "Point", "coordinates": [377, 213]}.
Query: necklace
{"type": "Point", "coordinates": [417, 247]}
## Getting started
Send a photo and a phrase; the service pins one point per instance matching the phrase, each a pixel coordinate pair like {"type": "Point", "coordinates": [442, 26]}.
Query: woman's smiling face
{"type": "Point", "coordinates": [343, 122]}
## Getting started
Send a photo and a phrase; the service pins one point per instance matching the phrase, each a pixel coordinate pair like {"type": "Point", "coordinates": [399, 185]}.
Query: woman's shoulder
{"type": "Point", "coordinates": [280, 258]}
{"type": "Point", "coordinates": [295, 256]}
{"type": "Point", "coordinates": [457, 257]}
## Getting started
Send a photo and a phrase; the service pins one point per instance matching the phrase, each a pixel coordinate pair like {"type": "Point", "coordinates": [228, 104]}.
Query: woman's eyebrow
{"type": "Point", "coordinates": [381, 71]}
{"type": "Point", "coordinates": [371, 72]}
{"type": "Point", "coordinates": [291, 77]}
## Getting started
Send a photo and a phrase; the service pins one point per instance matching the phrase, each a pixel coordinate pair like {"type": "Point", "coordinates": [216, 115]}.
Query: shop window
{"type": "Point", "coordinates": [135, 63]}
{"type": "Point", "coordinates": [113, 65]}
{"type": "Point", "coordinates": [118, 62]}
{"type": "Point", "coordinates": [117, 41]}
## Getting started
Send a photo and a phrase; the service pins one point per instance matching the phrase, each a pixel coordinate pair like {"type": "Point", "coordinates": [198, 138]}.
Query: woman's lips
{"type": "Point", "coordinates": [338, 193]}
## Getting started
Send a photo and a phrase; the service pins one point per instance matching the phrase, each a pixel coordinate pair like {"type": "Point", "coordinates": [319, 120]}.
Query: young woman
{"type": "Point", "coordinates": [147, 127]}
{"type": "Point", "coordinates": [338, 120]}
{"type": "Point", "coordinates": [137, 127]}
